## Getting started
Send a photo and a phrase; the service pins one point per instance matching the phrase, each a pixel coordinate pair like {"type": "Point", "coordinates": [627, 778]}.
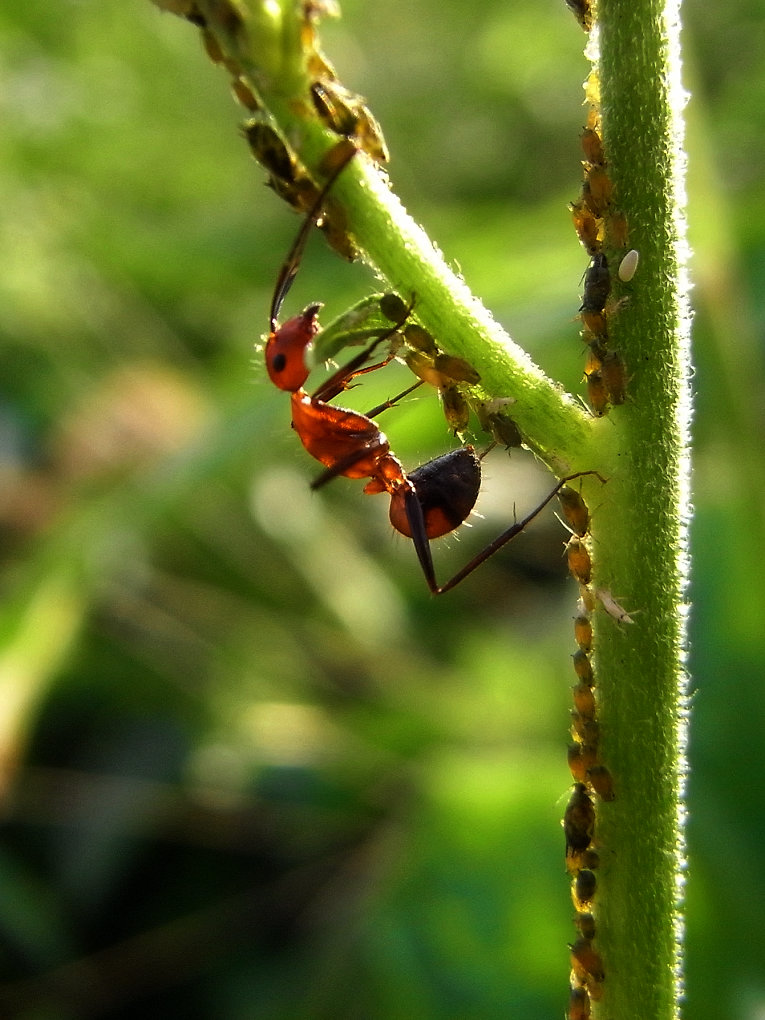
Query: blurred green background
{"type": "Point", "coordinates": [249, 767]}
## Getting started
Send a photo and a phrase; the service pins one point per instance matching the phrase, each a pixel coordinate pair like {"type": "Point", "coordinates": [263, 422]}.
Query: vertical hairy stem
{"type": "Point", "coordinates": [640, 531]}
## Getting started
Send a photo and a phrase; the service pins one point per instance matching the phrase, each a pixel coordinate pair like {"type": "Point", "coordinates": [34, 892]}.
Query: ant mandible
{"type": "Point", "coordinates": [427, 503]}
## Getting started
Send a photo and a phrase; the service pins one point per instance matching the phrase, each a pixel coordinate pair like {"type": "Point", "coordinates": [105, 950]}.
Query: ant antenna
{"type": "Point", "coordinates": [290, 265]}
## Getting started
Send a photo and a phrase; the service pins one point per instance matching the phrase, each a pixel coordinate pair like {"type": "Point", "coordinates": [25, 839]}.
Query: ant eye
{"type": "Point", "coordinates": [279, 363]}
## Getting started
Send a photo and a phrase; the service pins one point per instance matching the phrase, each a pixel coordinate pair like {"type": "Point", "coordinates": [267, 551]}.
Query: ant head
{"type": "Point", "coordinates": [286, 347]}
{"type": "Point", "coordinates": [447, 489]}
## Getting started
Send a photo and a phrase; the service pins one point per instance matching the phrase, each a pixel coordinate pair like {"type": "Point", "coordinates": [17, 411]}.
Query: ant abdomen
{"type": "Point", "coordinates": [447, 488]}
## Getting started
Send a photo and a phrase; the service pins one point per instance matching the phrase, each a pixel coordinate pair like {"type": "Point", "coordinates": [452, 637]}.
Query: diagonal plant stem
{"type": "Point", "coordinates": [265, 43]}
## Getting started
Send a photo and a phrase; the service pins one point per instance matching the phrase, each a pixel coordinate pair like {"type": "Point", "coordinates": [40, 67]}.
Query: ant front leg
{"type": "Point", "coordinates": [371, 445]}
{"type": "Point", "coordinates": [342, 379]}
{"type": "Point", "coordinates": [370, 450]}
{"type": "Point", "coordinates": [392, 401]}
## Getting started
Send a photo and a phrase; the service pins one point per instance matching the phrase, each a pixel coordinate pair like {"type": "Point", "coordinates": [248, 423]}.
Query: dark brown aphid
{"type": "Point", "coordinates": [455, 407]}
{"type": "Point", "coordinates": [614, 377]}
{"type": "Point", "coordinates": [579, 562]}
{"type": "Point", "coordinates": [584, 701]}
{"type": "Point", "coordinates": [579, 819]}
{"type": "Point", "coordinates": [585, 923]}
{"type": "Point", "coordinates": [597, 394]}
{"type": "Point", "coordinates": [585, 729]}
{"type": "Point", "coordinates": [583, 632]}
{"type": "Point", "coordinates": [579, 1004]}
{"type": "Point", "coordinates": [586, 962]}
{"type": "Point", "coordinates": [505, 431]}
{"type": "Point", "coordinates": [582, 11]}
{"type": "Point", "coordinates": [333, 110]}
{"type": "Point", "coordinates": [583, 668]}
{"type": "Point", "coordinates": [346, 113]}
{"type": "Point", "coordinates": [574, 510]}
{"type": "Point", "coordinates": [601, 781]}
{"type": "Point", "coordinates": [592, 146]}
{"type": "Point", "coordinates": [394, 308]}
{"type": "Point", "coordinates": [244, 95]}
{"type": "Point", "coordinates": [581, 758]}
{"type": "Point", "coordinates": [287, 177]}
{"type": "Point", "coordinates": [588, 227]}
{"type": "Point", "coordinates": [583, 888]}
{"type": "Point", "coordinates": [597, 190]}
{"type": "Point", "coordinates": [597, 284]}
{"type": "Point", "coordinates": [498, 423]}
{"type": "Point", "coordinates": [271, 151]}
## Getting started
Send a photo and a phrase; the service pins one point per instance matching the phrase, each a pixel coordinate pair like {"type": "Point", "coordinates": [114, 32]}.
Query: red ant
{"type": "Point", "coordinates": [427, 503]}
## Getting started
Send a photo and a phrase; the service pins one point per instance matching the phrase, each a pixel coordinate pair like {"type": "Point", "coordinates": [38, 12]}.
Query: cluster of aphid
{"type": "Point", "coordinates": [341, 111]}
{"type": "Point", "coordinates": [602, 230]}
{"type": "Point", "coordinates": [346, 115]}
{"type": "Point", "coordinates": [591, 776]}
{"type": "Point", "coordinates": [600, 226]}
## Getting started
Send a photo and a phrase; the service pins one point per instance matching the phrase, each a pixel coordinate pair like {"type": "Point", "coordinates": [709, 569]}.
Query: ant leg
{"type": "Point", "coordinates": [500, 540]}
{"type": "Point", "coordinates": [353, 458]}
{"type": "Point", "coordinates": [290, 266]}
{"type": "Point", "coordinates": [392, 401]}
{"type": "Point", "coordinates": [341, 379]}
{"type": "Point", "coordinates": [416, 519]}
{"type": "Point", "coordinates": [341, 466]}
{"type": "Point", "coordinates": [363, 451]}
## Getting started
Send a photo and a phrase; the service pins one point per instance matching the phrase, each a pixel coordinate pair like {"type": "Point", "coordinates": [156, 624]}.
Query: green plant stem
{"type": "Point", "coordinates": [640, 531]}
{"type": "Point", "coordinates": [640, 520]}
